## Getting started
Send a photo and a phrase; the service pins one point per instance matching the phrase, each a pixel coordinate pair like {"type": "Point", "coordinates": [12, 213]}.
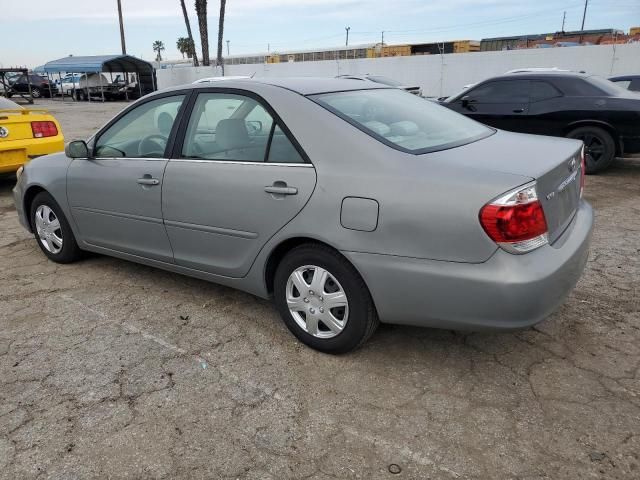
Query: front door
{"type": "Point", "coordinates": [501, 103]}
{"type": "Point", "coordinates": [236, 180]}
{"type": "Point", "coordinates": [115, 198]}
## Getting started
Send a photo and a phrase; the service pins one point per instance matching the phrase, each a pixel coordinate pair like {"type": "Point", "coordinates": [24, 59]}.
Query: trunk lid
{"type": "Point", "coordinates": [555, 164]}
{"type": "Point", "coordinates": [17, 125]}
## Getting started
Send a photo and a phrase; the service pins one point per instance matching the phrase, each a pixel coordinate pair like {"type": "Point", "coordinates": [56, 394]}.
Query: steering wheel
{"type": "Point", "coordinates": [152, 145]}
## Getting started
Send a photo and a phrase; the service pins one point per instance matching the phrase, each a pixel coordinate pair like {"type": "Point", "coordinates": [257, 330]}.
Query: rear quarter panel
{"type": "Point", "coordinates": [428, 206]}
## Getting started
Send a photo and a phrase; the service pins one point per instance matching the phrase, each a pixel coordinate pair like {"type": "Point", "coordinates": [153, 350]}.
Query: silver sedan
{"type": "Point", "coordinates": [348, 204]}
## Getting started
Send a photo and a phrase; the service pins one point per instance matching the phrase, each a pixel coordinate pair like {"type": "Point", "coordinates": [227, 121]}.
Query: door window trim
{"type": "Point", "coordinates": [176, 153]}
{"type": "Point", "coordinates": [93, 141]}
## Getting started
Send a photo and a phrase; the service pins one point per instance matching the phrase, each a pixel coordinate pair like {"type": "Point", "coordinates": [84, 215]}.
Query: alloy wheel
{"type": "Point", "coordinates": [594, 146]}
{"type": "Point", "coordinates": [317, 302]}
{"type": "Point", "coordinates": [48, 229]}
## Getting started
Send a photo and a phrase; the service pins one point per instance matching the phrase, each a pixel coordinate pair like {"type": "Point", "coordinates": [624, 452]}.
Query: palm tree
{"type": "Point", "coordinates": [191, 42]}
{"type": "Point", "coordinates": [122, 44]}
{"type": "Point", "coordinates": [223, 5]}
{"type": "Point", "coordinates": [182, 45]}
{"type": "Point", "coordinates": [158, 46]}
{"type": "Point", "coordinates": [201, 11]}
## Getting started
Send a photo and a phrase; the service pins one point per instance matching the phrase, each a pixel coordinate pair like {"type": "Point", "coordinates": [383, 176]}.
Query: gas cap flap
{"type": "Point", "coordinates": [359, 213]}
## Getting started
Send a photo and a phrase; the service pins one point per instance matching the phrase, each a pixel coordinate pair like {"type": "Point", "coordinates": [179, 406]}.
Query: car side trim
{"type": "Point", "coordinates": [204, 228]}
{"type": "Point", "coordinates": [118, 214]}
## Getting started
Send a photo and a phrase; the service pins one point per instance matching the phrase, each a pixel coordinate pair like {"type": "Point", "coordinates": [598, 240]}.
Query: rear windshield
{"type": "Point", "coordinates": [384, 80]}
{"type": "Point", "coordinates": [402, 120]}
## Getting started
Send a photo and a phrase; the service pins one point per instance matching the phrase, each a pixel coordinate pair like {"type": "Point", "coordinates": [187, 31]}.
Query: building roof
{"type": "Point", "coordinates": [98, 63]}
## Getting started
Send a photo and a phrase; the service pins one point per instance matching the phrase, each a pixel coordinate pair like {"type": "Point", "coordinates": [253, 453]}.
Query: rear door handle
{"type": "Point", "coordinates": [518, 110]}
{"type": "Point", "coordinates": [148, 181]}
{"type": "Point", "coordinates": [281, 190]}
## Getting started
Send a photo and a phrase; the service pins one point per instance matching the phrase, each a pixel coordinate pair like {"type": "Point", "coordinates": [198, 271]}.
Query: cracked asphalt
{"type": "Point", "coordinates": [110, 369]}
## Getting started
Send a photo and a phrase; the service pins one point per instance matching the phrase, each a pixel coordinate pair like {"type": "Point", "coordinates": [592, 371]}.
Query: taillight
{"type": "Point", "coordinates": [44, 129]}
{"type": "Point", "coordinates": [516, 221]}
{"type": "Point", "coordinates": [583, 166]}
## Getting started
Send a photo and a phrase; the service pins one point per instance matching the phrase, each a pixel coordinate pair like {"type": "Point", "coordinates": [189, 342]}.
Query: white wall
{"type": "Point", "coordinates": [438, 75]}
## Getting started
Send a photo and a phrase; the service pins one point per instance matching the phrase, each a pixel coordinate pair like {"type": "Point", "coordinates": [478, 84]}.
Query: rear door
{"type": "Point", "coordinates": [115, 198]}
{"type": "Point", "coordinates": [235, 180]}
{"type": "Point", "coordinates": [500, 103]}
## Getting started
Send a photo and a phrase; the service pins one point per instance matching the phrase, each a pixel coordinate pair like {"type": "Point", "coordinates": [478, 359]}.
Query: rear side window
{"type": "Point", "coordinates": [543, 91]}
{"type": "Point", "coordinates": [503, 91]}
{"type": "Point", "coordinates": [282, 150]}
{"type": "Point", "coordinates": [402, 120]}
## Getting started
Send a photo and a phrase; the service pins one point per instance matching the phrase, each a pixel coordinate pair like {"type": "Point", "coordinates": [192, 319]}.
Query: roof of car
{"type": "Point", "coordinates": [625, 77]}
{"type": "Point", "coordinates": [301, 85]}
{"type": "Point", "coordinates": [546, 73]}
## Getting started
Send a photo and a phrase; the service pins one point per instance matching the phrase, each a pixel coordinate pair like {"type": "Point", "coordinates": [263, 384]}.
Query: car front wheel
{"type": "Point", "coordinates": [599, 147]}
{"type": "Point", "coordinates": [36, 93]}
{"type": "Point", "coordinates": [52, 231]}
{"type": "Point", "coordinates": [323, 300]}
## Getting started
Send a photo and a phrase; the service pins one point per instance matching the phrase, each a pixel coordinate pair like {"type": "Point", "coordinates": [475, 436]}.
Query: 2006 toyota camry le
{"type": "Point", "coordinates": [347, 203]}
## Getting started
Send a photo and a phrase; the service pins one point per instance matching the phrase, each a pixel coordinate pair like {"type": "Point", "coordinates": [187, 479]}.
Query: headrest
{"type": "Point", "coordinates": [378, 127]}
{"type": "Point", "coordinates": [405, 127]}
{"type": "Point", "coordinates": [165, 122]}
{"type": "Point", "coordinates": [232, 133]}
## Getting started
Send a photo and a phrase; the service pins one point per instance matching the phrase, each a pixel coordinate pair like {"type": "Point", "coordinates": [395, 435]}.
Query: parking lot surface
{"type": "Point", "coordinates": [110, 369]}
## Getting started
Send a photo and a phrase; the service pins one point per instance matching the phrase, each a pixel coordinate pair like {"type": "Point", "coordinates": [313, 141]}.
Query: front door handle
{"type": "Point", "coordinates": [281, 190]}
{"type": "Point", "coordinates": [148, 181]}
{"type": "Point", "coordinates": [518, 110]}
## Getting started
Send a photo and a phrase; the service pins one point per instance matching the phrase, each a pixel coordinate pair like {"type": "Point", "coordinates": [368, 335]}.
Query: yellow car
{"type": "Point", "coordinates": [26, 134]}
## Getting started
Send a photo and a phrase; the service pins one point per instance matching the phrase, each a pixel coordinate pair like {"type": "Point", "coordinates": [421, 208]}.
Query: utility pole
{"type": "Point", "coordinates": [124, 46]}
{"type": "Point", "coordinates": [382, 43]}
{"type": "Point", "coordinates": [346, 44]}
{"type": "Point", "coordinates": [564, 17]}
{"type": "Point", "coordinates": [227, 48]}
{"type": "Point", "coordinates": [584, 15]}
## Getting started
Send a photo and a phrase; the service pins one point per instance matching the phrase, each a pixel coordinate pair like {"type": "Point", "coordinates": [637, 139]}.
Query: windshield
{"type": "Point", "coordinates": [402, 120]}
{"type": "Point", "coordinates": [384, 80]}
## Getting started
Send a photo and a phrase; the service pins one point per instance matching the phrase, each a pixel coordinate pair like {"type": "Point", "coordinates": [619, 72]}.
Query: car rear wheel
{"type": "Point", "coordinates": [36, 93]}
{"type": "Point", "coordinates": [599, 147]}
{"type": "Point", "coordinates": [323, 300]}
{"type": "Point", "coordinates": [52, 230]}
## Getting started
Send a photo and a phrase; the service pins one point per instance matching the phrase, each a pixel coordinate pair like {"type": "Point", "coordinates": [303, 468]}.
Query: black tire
{"type": "Point", "coordinates": [36, 93]}
{"type": "Point", "coordinates": [599, 147]}
{"type": "Point", "coordinates": [9, 95]}
{"type": "Point", "coordinates": [362, 319]}
{"type": "Point", "coordinates": [70, 252]}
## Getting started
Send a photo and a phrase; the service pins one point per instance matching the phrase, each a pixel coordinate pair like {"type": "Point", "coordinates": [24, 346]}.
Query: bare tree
{"type": "Point", "coordinates": [201, 11]}
{"type": "Point", "coordinates": [190, 36]}
{"type": "Point", "coordinates": [219, 62]}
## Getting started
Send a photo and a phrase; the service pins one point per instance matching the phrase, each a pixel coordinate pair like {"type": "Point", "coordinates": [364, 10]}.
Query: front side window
{"type": "Point", "coordinates": [227, 126]}
{"type": "Point", "coordinates": [504, 91]}
{"type": "Point", "coordinates": [142, 132]}
{"type": "Point", "coordinates": [402, 120]}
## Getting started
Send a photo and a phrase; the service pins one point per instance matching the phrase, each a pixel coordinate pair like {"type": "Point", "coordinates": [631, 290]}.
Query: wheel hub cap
{"type": "Point", "coordinates": [48, 229]}
{"type": "Point", "coordinates": [317, 301]}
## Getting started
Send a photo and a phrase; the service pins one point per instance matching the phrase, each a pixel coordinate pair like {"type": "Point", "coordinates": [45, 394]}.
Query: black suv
{"type": "Point", "coordinates": [40, 86]}
{"type": "Point", "coordinates": [562, 104]}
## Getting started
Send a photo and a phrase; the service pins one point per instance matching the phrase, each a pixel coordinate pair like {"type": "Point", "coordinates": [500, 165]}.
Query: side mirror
{"type": "Point", "coordinates": [254, 126]}
{"type": "Point", "coordinates": [77, 149]}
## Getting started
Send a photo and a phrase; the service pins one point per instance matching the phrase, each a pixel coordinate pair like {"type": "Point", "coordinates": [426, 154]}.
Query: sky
{"type": "Point", "coordinates": [48, 30]}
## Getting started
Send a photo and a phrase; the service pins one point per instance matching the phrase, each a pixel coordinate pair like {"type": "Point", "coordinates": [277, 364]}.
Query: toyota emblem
{"type": "Point", "coordinates": [4, 133]}
{"type": "Point", "coordinates": [572, 164]}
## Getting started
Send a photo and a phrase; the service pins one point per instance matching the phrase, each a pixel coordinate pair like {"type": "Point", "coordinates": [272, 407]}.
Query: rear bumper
{"type": "Point", "coordinates": [24, 150]}
{"type": "Point", "coordinates": [506, 292]}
